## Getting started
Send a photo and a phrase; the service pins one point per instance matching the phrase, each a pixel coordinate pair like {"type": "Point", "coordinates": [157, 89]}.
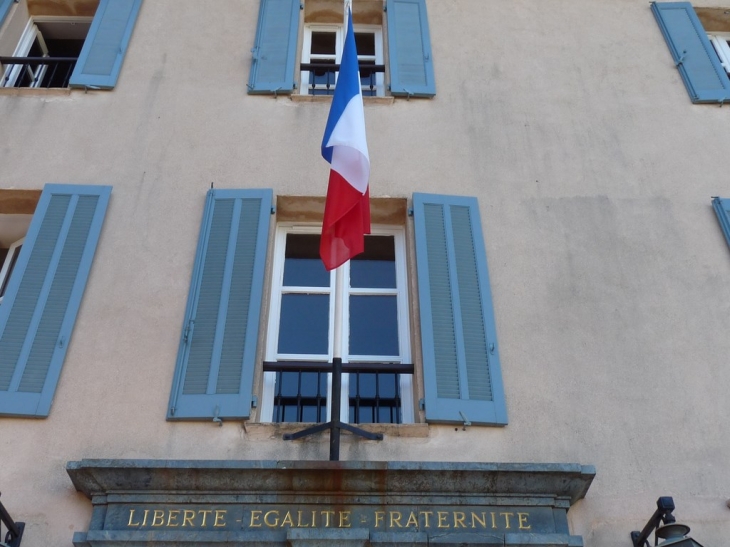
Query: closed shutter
{"type": "Point", "coordinates": [43, 296]}
{"type": "Point", "coordinates": [101, 57]}
{"type": "Point", "coordinates": [698, 64]}
{"type": "Point", "coordinates": [5, 6]}
{"type": "Point", "coordinates": [722, 210]}
{"type": "Point", "coordinates": [461, 371]}
{"type": "Point", "coordinates": [275, 49]}
{"type": "Point", "coordinates": [409, 49]}
{"type": "Point", "coordinates": [217, 355]}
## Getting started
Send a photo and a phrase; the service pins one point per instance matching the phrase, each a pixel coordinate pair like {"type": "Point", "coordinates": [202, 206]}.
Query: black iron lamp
{"type": "Point", "coordinates": [665, 527]}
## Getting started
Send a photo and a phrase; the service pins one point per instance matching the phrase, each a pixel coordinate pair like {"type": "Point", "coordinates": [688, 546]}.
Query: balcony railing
{"type": "Point", "coordinates": [322, 78]}
{"type": "Point", "coordinates": [15, 529]}
{"type": "Point", "coordinates": [39, 72]}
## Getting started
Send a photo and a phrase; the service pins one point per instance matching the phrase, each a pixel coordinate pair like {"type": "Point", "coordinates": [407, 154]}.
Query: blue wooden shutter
{"type": "Point", "coordinates": [44, 294]}
{"type": "Point", "coordinates": [409, 49]}
{"type": "Point", "coordinates": [275, 49]}
{"type": "Point", "coordinates": [101, 57]}
{"type": "Point", "coordinates": [722, 210]}
{"type": "Point", "coordinates": [461, 371]}
{"type": "Point", "coordinates": [5, 6]}
{"type": "Point", "coordinates": [217, 355]}
{"type": "Point", "coordinates": [698, 64]}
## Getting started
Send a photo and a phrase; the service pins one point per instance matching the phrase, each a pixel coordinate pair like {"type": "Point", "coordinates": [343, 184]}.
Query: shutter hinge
{"type": "Point", "coordinates": [421, 404]}
{"type": "Point", "coordinates": [61, 341]}
{"type": "Point", "coordinates": [254, 401]}
{"type": "Point", "coordinates": [681, 59]}
{"type": "Point", "coordinates": [410, 211]}
{"type": "Point", "coordinates": [491, 348]}
{"type": "Point", "coordinates": [301, 6]}
{"type": "Point", "coordinates": [172, 411]}
{"type": "Point", "coordinates": [216, 418]}
{"type": "Point", "coordinates": [188, 331]}
{"type": "Point", "coordinates": [465, 419]}
{"type": "Point", "coordinates": [273, 210]}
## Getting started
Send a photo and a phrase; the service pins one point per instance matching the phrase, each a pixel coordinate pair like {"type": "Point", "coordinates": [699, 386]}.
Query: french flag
{"type": "Point", "coordinates": [347, 208]}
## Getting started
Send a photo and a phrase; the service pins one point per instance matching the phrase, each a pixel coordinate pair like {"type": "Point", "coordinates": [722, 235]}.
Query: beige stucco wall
{"type": "Point", "coordinates": [610, 275]}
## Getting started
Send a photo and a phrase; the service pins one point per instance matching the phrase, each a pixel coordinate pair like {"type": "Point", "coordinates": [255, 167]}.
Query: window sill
{"type": "Point", "coordinates": [36, 92]}
{"type": "Point", "coordinates": [263, 431]}
{"type": "Point", "coordinates": [295, 97]}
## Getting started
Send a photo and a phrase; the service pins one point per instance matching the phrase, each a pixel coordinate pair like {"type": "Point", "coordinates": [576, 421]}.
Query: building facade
{"type": "Point", "coordinates": [536, 327]}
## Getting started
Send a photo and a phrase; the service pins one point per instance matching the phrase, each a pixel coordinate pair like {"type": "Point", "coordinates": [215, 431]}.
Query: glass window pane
{"type": "Point", "coordinates": [302, 265]}
{"type": "Point", "coordinates": [374, 268]}
{"type": "Point", "coordinates": [288, 384]}
{"type": "Point", "coordinates": [367, 384]}
{"type": "Point", "coordinates": [387, 386]}
{"type": "Point", "coordinates": [304, 323]}
{"type": "Point", "coordinates": [373, 325]}
{"type": "Point", "coordinates": [310, 413]}
{"type": "Point", "coordinates": [365, 43]}
{"type": "Point", "coordinates": [310, 384]}
{"type": "Point", "coordinates": [324, 43]}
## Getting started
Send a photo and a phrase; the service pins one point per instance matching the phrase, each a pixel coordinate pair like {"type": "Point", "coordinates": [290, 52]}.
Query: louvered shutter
{"type": "Point", "coordinates": [409, 49]}
{"type": "Point", "coordinates": [5, 6]}
{"type": "Point", "coordinates": [43, 296]}
{"type": "Point", "coordinates": [705, 79]}
{"type": "Point", "coordinates": [275, 49]}
{"type": "Point", "coordinates": [101, 57]}
{"type": "Point", "coordinates": [217, 355]}
{"type": "Point", "coordinates": [722, 210]}
{"type": "Point", "coordinates": [461, 371]}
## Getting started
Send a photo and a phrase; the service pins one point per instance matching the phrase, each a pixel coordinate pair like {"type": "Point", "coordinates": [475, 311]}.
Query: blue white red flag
{"type": "Point", "coordinates": [347, 209]}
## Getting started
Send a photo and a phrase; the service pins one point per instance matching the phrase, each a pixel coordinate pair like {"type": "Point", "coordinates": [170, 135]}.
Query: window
{"type": "Point", "coordinates": [321, 54]}
{"type": "Point", "coordinates": [301, 328]}
{"type": "Point", "coordinates": [720, 42]}
{"type": "Point", "coordinates": [409, 64]}
{"type": "Point", "coordinates": [9, 258]}
{"type": "Point", "coordinates": [699, 61]}
{"type": "Point", "coordinates": [221, 351]}
{"type": "Point", "coordinates": [71, 51]}
{"type": "Point", "coordinates": [43, 294]}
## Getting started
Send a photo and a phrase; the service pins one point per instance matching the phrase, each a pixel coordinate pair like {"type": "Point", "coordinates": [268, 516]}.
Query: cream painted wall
{"type": "Point", "coordinates": [594, 172]}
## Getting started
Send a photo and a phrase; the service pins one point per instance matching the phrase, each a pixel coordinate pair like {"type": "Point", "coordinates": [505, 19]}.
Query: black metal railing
{"type": "Point", "coordinates": [322, 78]}
{"type": "Point", "coordinates": [15, 529]}
{"type": "Point", "coordinates": [29, 71]}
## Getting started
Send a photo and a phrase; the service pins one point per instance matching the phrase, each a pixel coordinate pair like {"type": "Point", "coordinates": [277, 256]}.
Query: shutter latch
{"type": "Point", "coordinates": [466, 420]}
{"type": "Point", "coordinates": [216, 418]}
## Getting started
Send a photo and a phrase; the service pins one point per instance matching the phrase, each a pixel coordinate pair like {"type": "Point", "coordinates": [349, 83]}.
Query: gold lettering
{"type": "Point", "coordinates": [482, 521]}
{"type": "Point", "coordinates": [345, 519]}
{"type": "Point", "coordinates": [506, 519]}
{"type": "Point", "coordinates": [494, 522]}
{"type": "Point", "coordinates": [459, 519]}
{"type": "Point", "coordinates": [205, 513]}
{"type": "Point", "coordinates": [255, 516]}
{"type": "Point", "coordinates": [300, 524]}
{"type": "Point", "coordinates": [523, 521]}
{"type": "Point", "coordinates": [426, 514]}
{"type": "Point", "coordinates": [144, 520]}
{"type": "Point", "coordinates": [287, 519]}
{"type": "Point", "coordinates": [327, 517]}
{"type": "Point", "coordinates": [412, 520]}
{"type": "Point", "coordinates": [379, 515]}
{"type": "Point", "coordinates": [443, 515]}
{"type": "Point", "coordinates": [131, 516]}
{"type": "Point", "coordinates": [276, 520]}
{"type": "Point", "coordinates": [314, 519]}
{"type": "Point", "coordinates": [173, 513]}
{"type": "Point", "coordinates": [395, 521]}
{"type": "Point", "coordinates": [158, 517]}
{"type": "Point", "coordinates": [219, 515]}
{"type": "Point", "coordinates": [188, 516]}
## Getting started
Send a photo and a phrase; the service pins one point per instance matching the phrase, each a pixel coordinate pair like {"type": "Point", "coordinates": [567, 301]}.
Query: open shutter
{"type": "Point", "coordinates": [101, 57]}
{"type": "Point", "coordinates": [275, 49]}
{"type": "Point", "coordinates": [217, 355]}
{"type": "Point", "coordinates": [722, 210]}
{"type": "Point", "coordinates": [703, 75]}
{"type": "Point", "coordinates": [43, 296]}
{"type": "Point", "coordinates": [461, 372]}
{"type": "Point", "coordinates": [5, 6]}
{"type": "Point", "coordinates": [409, 49]}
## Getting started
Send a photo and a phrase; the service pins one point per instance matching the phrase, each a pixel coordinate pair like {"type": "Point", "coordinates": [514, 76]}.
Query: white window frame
{"type": "Point", "coordinates": [13, 251]}
{"type": "Point", "coordinates": [719, 41]}
{"type": "Point", "coordinates": [272, 332]}
{"type": "Point", "coordinates": [31, 32]}
{"type": "Point", "coordinates": [308, 57]}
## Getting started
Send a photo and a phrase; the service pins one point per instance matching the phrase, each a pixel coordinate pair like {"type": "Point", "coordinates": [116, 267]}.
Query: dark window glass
{"type": "Point", "coordinates": [373, 325]}
{"type": "Point", "coordinates": [304, 323]}
{"type": "Point", "coordinates": [11, 266]}
{"type": "Point", "coordinates": [365, 43]}
{"type": "Point", "coordinates": [374, 268]}
{"type": "Point", "coordinates": [374, 398]}
{"type": "Point", "coordinates": [302, 265]}
{"type": "Point", "coordinates": [300, 397]}
{"type": "Point", "coordinates": [324, 43]}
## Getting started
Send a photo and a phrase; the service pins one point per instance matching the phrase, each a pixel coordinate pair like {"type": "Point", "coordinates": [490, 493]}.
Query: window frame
{"type": "Point", "coordinates": [13, 252]}
{"type": "Point", "coordinates": [719, 41]}
{"type": "Point", "coordinates": [308, 57]}
{"type": "Point", "coordinates": [407, 384]}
